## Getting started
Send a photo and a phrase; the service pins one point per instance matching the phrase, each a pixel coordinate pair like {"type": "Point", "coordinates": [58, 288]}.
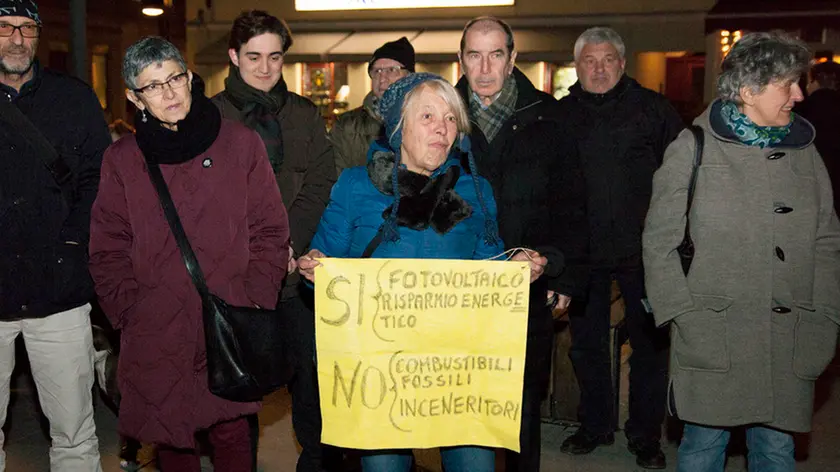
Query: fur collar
{"type": "Point", "coordinates": [424, 201]}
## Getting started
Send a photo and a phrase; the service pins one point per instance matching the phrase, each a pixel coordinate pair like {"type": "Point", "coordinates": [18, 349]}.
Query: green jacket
{"type": "Point", "coordinates": [755, 322]}
{"type": "Point", "coordinates": [353, 132]}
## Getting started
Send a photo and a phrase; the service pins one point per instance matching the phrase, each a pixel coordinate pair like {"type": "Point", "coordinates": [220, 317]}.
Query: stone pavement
{"type": "Point", "coordinates": [27, 440]}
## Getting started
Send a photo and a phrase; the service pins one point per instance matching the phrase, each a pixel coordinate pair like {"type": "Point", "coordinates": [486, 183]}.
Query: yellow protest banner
{"type": "Point", "coordinates": [417, 353]}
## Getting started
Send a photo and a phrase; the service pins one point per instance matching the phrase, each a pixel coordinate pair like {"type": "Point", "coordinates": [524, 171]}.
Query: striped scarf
{"type": "Point", "coordinates": [491, 119]}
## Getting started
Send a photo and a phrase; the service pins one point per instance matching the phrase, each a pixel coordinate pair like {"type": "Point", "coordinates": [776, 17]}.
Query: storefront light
{"type": "Point", "coordinates": [728, 39]}
{"type": "Point", "coordinates": [342, 94]}
{"type": "Point", "coordinates": [332, 5]}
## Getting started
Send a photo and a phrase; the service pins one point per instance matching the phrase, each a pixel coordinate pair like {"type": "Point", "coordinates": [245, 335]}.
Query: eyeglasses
{"type": "Point", "coordinates": [28, 30]}
{"type": "Point", "coordinates": [153, 90]}
{"type": "Point", "coordinates": [386, 71]}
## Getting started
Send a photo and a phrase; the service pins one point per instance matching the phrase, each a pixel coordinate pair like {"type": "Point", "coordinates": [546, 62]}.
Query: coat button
{"type": "Point", "coordinates": [61, 260]}
{"type": "Point", "coordinates": [776, 155]}
{"type": "Point", "coordinates": [12, 147]}
{"type": "Point", "coordinates": [782, 210]}
{"type": "Point", "coordinates": [780, 254]}
{"type": "Point", "coordinates": [781, 309]}
{"type": "Point", "coordinates": [515, 127]}
{"type": "Point", "coordinates": [24, 308]}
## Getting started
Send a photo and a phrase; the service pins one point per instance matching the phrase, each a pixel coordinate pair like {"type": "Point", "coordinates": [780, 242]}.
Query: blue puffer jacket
{"type": "Point", "coordinates": [354, 214]}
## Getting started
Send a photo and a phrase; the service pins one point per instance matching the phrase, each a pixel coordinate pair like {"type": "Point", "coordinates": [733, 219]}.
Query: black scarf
{"type": "Point", "coordinates": [425, 201]}
{"type": "Point", "coordinates": [259, 112]}
{"type": "Point", "coordinates": [196, 132]}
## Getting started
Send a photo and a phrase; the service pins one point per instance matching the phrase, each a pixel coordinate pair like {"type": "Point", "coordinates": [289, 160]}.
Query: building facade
{"type": "Point", "coordinates": [112, 25]}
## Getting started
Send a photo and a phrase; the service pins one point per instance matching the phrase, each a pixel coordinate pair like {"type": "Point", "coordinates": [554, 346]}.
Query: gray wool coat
{"type": "Point", "coordinates": [755, 322]}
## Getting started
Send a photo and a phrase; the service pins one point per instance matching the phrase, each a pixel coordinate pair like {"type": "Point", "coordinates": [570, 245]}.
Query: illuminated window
{"type": "Point", "coordinates": [99, 78]}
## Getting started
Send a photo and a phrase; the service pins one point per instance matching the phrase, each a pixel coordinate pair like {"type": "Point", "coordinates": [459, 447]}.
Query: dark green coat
{"type": "Point", "coordinates": [353, 132]}
{"type": "Point", "coordinates": [755, 322]}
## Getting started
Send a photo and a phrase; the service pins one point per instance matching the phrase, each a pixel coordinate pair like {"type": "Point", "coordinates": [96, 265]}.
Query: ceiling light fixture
{"type": "Point", "coordinates": [152, 7]}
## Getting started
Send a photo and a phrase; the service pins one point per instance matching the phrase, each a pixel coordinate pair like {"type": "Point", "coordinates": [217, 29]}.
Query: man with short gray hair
{"type": "Point", "coordinates": [622, 131]}
{"type": "Point", "coordinates": [52, 136]}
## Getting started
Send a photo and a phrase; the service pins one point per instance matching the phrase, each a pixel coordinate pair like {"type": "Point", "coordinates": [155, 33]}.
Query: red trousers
{"type": "Point", "coordinates": [231, 443]}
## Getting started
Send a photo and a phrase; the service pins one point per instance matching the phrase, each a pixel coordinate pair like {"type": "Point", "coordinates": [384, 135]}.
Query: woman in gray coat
{"type": "Point", "coordinates": [755, 321]}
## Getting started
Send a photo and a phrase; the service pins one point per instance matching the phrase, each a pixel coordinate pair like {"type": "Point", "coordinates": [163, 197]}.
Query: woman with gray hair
{"type": "Point", "coordinates": [754, 321]}
{"type": "Point", "coordinates": [223, 189]}
{"type": "Point", "coordinates": [422, 199]}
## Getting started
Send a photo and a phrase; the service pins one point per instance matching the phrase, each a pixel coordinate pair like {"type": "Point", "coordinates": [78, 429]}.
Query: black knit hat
{"type": "Point", "coordinates": [400, 50]}
{"type": "Point", "coordinates": [24, 8]}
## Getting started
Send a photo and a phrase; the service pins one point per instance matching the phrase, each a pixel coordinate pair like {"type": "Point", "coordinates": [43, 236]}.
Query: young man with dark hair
{"type": "Point", "coordinates": [294, 135]}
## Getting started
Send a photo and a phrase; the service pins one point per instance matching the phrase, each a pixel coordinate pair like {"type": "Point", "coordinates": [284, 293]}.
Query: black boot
{"type": "Point", "coordinates": [584, 442]}
{"type": "Point", "coordinates": [648, 453]}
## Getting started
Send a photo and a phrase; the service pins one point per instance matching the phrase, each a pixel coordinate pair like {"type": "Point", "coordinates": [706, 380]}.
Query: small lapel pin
{"type": "Point", "coordinates": [207, 163]}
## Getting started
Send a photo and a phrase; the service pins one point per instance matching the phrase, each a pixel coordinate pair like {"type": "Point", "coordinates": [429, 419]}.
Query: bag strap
{"type": "Point", "coordinates": [12, 115]}
{"type": "Point", "coordinates": [373, 244]}
{"type": "Point", "coordinates": [699, 139]}
{"type": "Point", "coordinates": [174, 221]}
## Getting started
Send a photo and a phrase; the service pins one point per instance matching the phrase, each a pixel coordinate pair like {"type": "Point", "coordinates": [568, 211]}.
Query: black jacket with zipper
{"type": "Point", "coordinates": [39, 273]}
{"type": "Point", "coordinates": [621, 137]}
{"type": "Point", "coordinates": [822, 109]}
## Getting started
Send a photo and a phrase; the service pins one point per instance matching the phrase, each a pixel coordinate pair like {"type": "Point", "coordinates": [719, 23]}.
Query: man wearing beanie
{"type": "Point", "coordinates": [52, 136]}
{"type": "Point", "coordinates": [355, 130]}
{"type": "Point", "coordinates": [520, 146]}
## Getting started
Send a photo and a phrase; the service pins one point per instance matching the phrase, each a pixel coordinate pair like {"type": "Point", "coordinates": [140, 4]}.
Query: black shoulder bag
{"type": "Point", "coordinates": [686, 247]}
{"type": "Point", "coordinates": [248, 353]}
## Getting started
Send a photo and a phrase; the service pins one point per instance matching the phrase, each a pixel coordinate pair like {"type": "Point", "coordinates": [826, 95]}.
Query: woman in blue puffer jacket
{"type": "Point", "coordinates": [418, 197]}
{"type": "Point", "coordinates": [443, 211]}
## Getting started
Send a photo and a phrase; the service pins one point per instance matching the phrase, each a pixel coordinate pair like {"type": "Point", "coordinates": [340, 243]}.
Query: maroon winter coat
{"type": "Point", "coordinates": [234, 217]}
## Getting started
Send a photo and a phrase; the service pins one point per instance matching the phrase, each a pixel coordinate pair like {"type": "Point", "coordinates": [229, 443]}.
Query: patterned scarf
{"type": "Point", "coordinates": [492, 118]}
{"type": "Point", "coordinates": [748, 132]}
{"type": "Point", "coordinates": [259, 112]}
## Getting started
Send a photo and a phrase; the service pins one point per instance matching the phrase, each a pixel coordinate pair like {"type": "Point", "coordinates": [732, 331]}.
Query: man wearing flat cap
{"type": "Point", "coordinates": [355, 130]}
{"type": "Point", "coordinates": [52, 136]}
